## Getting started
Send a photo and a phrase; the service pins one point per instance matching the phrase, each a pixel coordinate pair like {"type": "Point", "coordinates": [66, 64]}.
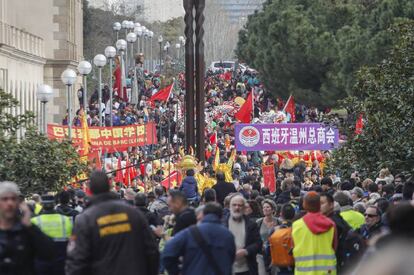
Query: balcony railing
{"type": "Point", "coordinates": [21, 40]}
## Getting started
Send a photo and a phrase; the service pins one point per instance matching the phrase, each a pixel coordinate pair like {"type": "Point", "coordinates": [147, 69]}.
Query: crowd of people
{"type": "Point", "coordinates": [221, 218]}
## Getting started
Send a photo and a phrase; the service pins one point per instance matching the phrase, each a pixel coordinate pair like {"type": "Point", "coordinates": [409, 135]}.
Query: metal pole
{"type": "Point", "coordinates": [85, 94]}
{"type": "Point", "coordinates": [200, 93]}
{"type": "Point", "coordinates": [126, 54]}
{"type": "Point", "coordinates": [69, 114]}
{"type": "Point", "coordinates": [111, 91]}
{"type": "Point", "coordinates": [160, 56]}
{"type": "Point", "coordinates": [189, 73]}
{"type": "Point", "coordinates": [100, 97]}
{"type": "Point", "coordinates": [117, 35]}
{"type": "Point", "coordinates": [143, 52]}
{"type": "Point", "coordinates": [123, 71]}
{"type": "Point", "coordinates": [44, 116]}
{"type": "Point", "coordinates": [131, 59]}
{"type": "Point", "coordinates": [168, 148]}
{"type": "Point", "coordinates": [151, 58]}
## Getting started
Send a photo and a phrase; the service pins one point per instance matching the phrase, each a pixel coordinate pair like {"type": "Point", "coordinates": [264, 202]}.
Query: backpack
{"type": "Point", "coordinates": [281, 245]}
{"type": "Point", "coordinates": [163, 211]}
{"type": "Point", "coordinates": [351, 248]}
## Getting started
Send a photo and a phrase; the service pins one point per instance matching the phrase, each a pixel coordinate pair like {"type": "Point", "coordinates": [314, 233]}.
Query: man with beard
{"type": "Point", "coordinates": [246, 236]}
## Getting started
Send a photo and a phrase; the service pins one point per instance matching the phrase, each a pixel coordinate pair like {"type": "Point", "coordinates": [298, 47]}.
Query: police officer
{"type": "Point", "coordinates": [59, 228]}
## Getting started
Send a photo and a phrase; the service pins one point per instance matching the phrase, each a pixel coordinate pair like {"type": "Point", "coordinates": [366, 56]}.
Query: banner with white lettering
{"type": "Point", "coordinates": [286, 137]}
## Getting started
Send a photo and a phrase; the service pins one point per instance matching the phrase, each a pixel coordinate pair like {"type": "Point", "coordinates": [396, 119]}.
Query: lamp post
{"type": "Point", "coordinates": [125, 26]}
{"type": "Point", "coordinates": [151, 62]}
{"type": "Point", "coordinates": [117, 27]}
{"type": "Point", "coordinates": [68, 78]}
{"type": "Point", "coordinates": [44, 94]}
{"type": "Point", "coordinates": [167, 46]}
{"type": "Point", "coordinates": [121, 46]}
{"type": "Point", "coordinates": [100, 60]}
{"type": "Point", "coordinates": [110, 53]}
{"type": "Point", "coordinates": [138, 32]}
{"type": "Point", "coordinates": [85, 68]}
{"type": "Point", "coordinates": [178, 47]}
{"type": "Point", "coordinates": [131, 38]}
{"type": "Point", "coordinates": [160, 40]}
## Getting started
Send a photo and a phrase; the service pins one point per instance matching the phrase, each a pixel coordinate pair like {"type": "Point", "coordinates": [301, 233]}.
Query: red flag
{"type": "Point", "coordinates": [213, 138]}
{"type": "Point", "coordinates": [119, 176]}
{"type": "Point", "coordinates": [127, 176]}
{"type": "Point", "coordinates": [244, 115]}
{"type": "Point", "coordinates": [173, 180]}
{"type": "Point", "coordinates": [291, 108]}
{"type": "Point", "coordinates": [359, 125]}
{"type": "Point", "coordinates": [163, 94]}
{"type": "Point", "coordinates": [269, 177]}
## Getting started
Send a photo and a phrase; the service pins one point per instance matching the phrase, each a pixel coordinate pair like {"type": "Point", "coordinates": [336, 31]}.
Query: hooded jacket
{"type": "Point", "coordinates": [189, 187]}
{"type": "Point", "coordinates": [318, 224]}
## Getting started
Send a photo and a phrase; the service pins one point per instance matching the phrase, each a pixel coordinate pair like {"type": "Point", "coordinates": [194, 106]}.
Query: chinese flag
{"type": "Point", "coordinates": [173, 180]}
{"type": "Point", "coordinates": [290, 108]}
{"type": "Point", "coordinates": [269, 177]}
{"type": "Point", "coordinates": [213, 138]}
{"type": "Point", "coordinates": [162, 95]}
{"type": "Point", "coordinates": [359, 125]}
{"type": "Point", "coordinates": [244, 115]}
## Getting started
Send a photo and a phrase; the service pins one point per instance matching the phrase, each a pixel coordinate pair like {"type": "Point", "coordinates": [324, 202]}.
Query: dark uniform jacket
{"type": "Point", "coordinates": [111, 237]}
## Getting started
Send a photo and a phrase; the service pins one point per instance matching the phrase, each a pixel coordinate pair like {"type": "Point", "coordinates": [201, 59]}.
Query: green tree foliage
{"type": "Point", "coordinates": [386, 98]}
{"type": "Point", "coordinates": [34, 162]}
{"type": "Point", "coordinates": [312, 48]}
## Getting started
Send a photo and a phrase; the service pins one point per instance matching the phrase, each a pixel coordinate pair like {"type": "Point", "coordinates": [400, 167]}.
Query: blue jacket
{"type": "Point", "coordinates": [189, 187]}
{"type": "Point", "coordinates": [220, 242]}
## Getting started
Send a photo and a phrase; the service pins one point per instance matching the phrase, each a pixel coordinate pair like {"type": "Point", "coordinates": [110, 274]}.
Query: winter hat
{"type": "Point", "coordinates": [311, 202]}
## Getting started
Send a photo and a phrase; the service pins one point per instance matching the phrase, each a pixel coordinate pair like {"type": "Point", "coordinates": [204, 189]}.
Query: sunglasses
{"type": "Point", "coordinates": [371, 215]}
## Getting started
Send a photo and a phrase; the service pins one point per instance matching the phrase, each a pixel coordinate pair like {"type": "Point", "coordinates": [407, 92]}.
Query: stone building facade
{"type": "Point", "coordinates": [38, 41]}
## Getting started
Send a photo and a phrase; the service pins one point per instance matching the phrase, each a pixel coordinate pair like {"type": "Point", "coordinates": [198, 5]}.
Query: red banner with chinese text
{"type": "Point", "coordinates": [269, 177]}
{"type": "Point", "coordinates": [109, 139]}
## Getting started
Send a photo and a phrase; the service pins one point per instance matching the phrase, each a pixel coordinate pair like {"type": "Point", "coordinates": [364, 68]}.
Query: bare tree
{"type": "Point", "coordinates": [221, 34]}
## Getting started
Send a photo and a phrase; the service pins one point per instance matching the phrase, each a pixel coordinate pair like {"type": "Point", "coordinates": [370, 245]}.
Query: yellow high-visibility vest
{"type": "Point", "coordinates": [313, 253]}
{"type": "Point", "coordinates": [56, 226]}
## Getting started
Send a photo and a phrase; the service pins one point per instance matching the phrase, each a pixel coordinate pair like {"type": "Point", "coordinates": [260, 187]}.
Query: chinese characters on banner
{"type": "Point", "coordinates": [269, 177]}
{"type": "Point", "coordinates": [109, 139]}
{"type": "Point", "coordinates": [285, 137]}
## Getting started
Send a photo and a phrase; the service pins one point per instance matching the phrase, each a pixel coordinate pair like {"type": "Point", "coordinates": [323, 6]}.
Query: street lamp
{"type": "Point", "coordinates": [167, 46]}
{"type": "Point", "coordinates": [138, 32]}
{"type": "Point", "coordinates": [110, 53]}
{"type": "Point", "coordinates": [160, 40]}
{"type": "Point", "coordinates": [151, 63]}
{"type": "Point", "coordinates": [131, 38]}
{"type": "Point", "coordinates": [178, 47]}
{"type": "Point", "coordinates": [136, 24]}
{"type": "Point", "coordinates": [121, 46]}
{"type": "Point", "coordinates": [84, 68]}
{"type": "Point", "coordinates": [116, 27]}
{"type": "Point", "coordinates": [100, 60]}
{"type": "Point", "coordinates": [44, 95]}
{"type": "Point", "coordinates": [68, 78]}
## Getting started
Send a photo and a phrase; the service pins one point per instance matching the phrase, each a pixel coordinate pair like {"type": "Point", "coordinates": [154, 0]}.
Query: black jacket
{"type": "Point", "coordinates": [111, 237]}
{"type": "Point", "coordinates": [19, 246]}
{"type": "Point", "coordinates": [253, 243]}
{"type": "Point", "coordinates": [183, 220]}
{"type": "Point", "coordinates": [152, 218]}
{"type": "Point", "coordinates": [223, 189]}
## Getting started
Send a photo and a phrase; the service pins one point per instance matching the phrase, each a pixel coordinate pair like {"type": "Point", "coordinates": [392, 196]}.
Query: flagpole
{"type": "Point", "coordinates": [286, 104]}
